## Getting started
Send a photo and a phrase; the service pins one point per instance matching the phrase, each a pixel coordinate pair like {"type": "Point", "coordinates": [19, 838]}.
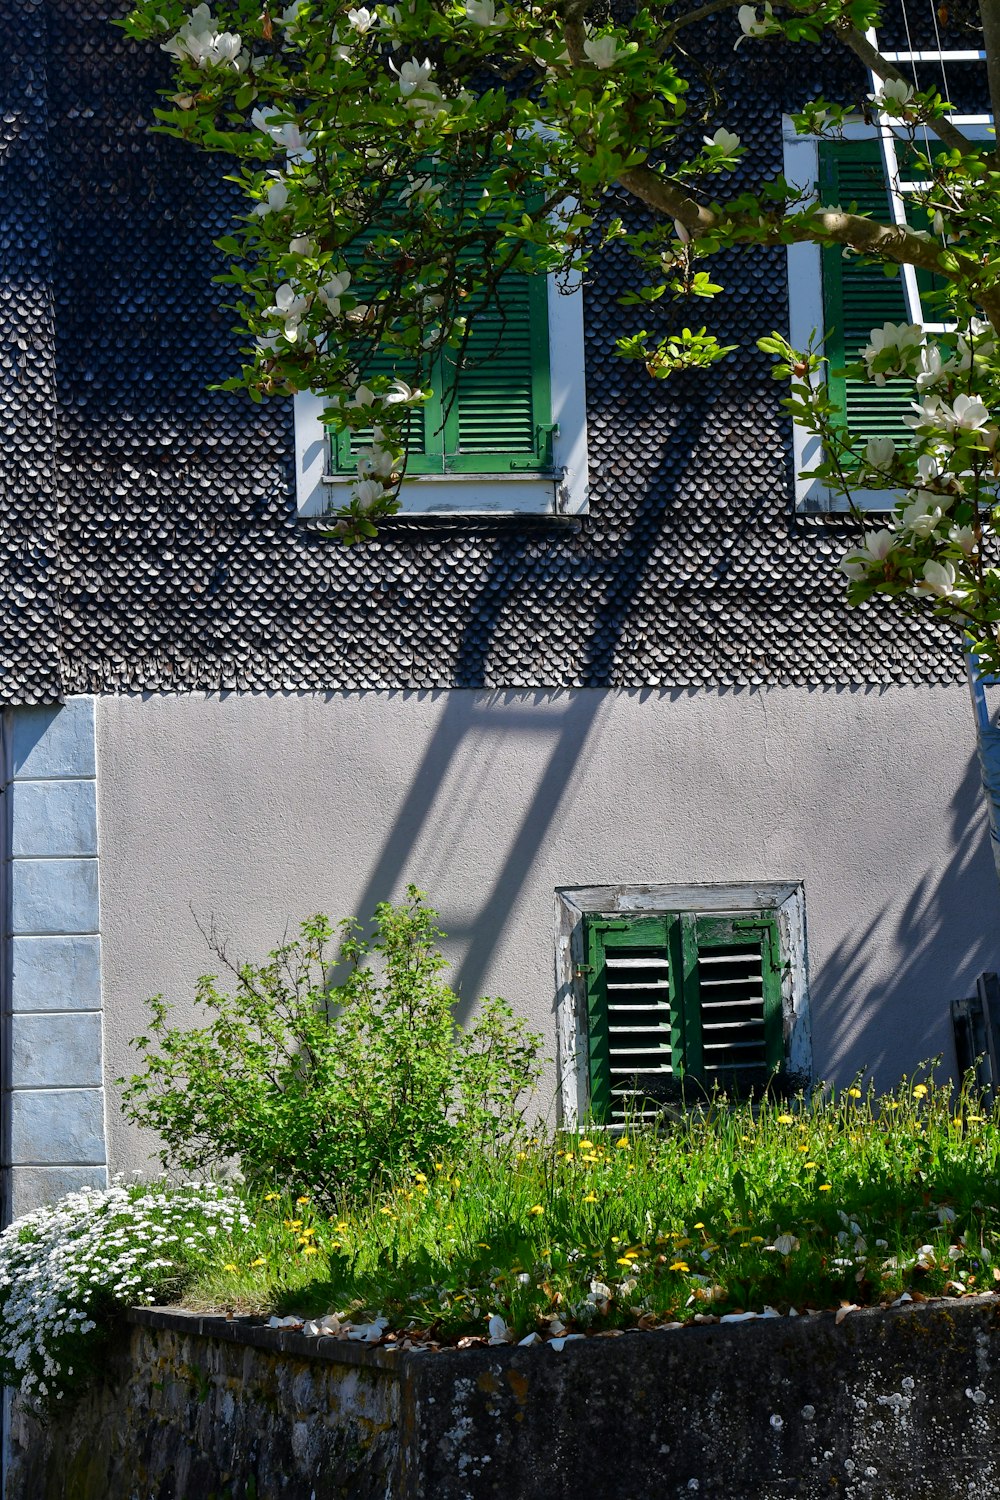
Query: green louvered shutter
{"type": "Point", "coordinates": [732, 1000]}
{"type": "Point", "coordinates": [634, 1025]}
{"type": "Point", "coordinates": [498, 404]}
{"type": "Point", "coordinates": [858, 298]}
{"type": "Point", "coordinates": [679, 1003]}
{"type": "Point", "coordinates": [494, 413]}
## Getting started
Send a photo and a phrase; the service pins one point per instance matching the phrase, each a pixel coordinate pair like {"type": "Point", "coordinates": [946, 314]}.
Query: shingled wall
{"type": "Point", "coordinates": [181, 564]}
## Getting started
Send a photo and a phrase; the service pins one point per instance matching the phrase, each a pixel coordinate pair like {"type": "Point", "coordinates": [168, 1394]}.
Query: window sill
{"type": "Point", "coordinates": [482, 523]}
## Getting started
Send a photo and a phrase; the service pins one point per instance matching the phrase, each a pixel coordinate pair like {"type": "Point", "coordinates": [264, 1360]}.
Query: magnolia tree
{"type": "Point", "coordinates": [397, 161]}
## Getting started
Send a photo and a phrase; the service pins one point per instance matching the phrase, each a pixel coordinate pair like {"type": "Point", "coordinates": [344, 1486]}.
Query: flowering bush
{"type": "Point", "coordinates": [67, 1268]}
{"type": "Point", "coordinates": [938, 546]}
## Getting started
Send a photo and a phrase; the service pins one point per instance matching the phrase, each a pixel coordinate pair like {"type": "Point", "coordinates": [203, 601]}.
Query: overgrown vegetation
{"type": "Point", "coordinates": [326, 1085]}
{"type": "Point", "coordinates": [853, 1199]}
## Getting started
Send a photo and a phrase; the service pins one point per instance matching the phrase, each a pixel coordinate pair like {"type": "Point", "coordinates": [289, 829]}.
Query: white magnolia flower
{"type": "Point", "coordinates": [931, 368]}
{"type": "Point", "coordinates": [301, 244]}
{"type": "Point", "coordinates": [750, 26]}
{"type": "Point", "coordinates": [377, 463]}
{"type": "Point", "coordinates": [276, 200]}
{"type": "Point", "coordinates": [283, 132]}
{"type": "Point", "coordinates": [291, 308]}
{"type": "Point", "coordinates": [413, 76]}
{"type": "Point", "coordinates": [923, 515]}
{"type": "Point", "coordinates": [964, 537]}
{"type": "Point", "coordinates": [362, 20]}
{"type": "Point", "coordinates": [367, 491]}
{"type": "Point", "coordinates": [200, 43]}
{"type": "Point", "coordinates": [902, 339]}
{"type": "Point", "coordinates": [289, 16]}
{"type": "Point", "coordinates": [877, 546]}
{"type": "Point", "coordinates": [893, 97]}
{"type": "Point", "coordinates": [331, 291]}
{"type": "Point", "coordinates": [363, 396]}
{"type": "Point", "coordinates": [726, 139]}
{"type": "Point", "coordinates": [421, 190]}
{"type": "Point", "coordinates": [978, 338]}
{"type": "Point", "coordinates": [939, 579]}
{"type": "Point", "coordinates": [603, 51]}
{"type": "Point", "coordinates": [399, 392]}
{"type": "Point", "coordinates": [484, 13]}
{"type": "Point", "coordinates": [880, 452]}
{"type": "Point", "coordinates": [968, 414]}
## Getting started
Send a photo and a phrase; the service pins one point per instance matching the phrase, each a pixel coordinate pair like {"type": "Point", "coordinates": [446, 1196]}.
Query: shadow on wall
{"type": "Point", "coordinates": [886, 1029]}
{"type": "Point", "coordinates": [451, 764]}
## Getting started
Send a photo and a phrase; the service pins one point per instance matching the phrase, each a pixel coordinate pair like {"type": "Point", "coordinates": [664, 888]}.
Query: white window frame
{"type": "Point", "coordinates": [560, 491]}
{"type": "Point", "coordinates": [784, 898]}
{"type": "Point", "coordinates": [805, 311]}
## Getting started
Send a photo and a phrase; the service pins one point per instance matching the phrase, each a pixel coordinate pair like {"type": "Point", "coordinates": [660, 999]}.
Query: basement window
{"type": "Point", "coordinates": [671, 993]}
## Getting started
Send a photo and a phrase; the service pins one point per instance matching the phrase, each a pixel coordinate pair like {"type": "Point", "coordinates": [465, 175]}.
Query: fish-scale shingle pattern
{"type": "Point", "coordinates": [29, 624]}
{"type": "Point", "coordinates": [181, 564]}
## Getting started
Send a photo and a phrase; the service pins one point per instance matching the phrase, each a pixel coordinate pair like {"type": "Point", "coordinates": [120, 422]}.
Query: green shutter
{"type": "Point", "coordinates": [858, 298]}
{"type": "Point", "coordinates": [732, 1000]}
{"type": "Point", "coordinates": [634, 1028]}
{"type": "Point", "coordinates": [493, 412]}
{"type": "Point", "coordinates": [498, 404]}
{"type": "Point", "coordinates": [679, 996]}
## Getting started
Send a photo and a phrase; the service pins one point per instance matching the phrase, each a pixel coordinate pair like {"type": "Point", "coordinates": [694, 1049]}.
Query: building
{"type": "Point", "coordinates": [639, 695]}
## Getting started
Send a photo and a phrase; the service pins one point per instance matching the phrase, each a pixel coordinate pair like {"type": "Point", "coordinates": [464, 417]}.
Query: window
{"type": "Point", "coordinates": [669, 989]}
{"type": "Point", "coordinates": [835, 295]}
{"type": "Point", "coordinates": [506, 434]}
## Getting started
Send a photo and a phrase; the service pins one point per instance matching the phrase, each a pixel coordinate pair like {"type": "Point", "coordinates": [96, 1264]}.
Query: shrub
{"type": "Point", "coordinates": [326, 1086]}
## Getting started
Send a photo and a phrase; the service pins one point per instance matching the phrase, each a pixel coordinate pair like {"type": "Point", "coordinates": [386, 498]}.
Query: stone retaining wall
{"type": "Point", "coordinates": [884, 1406]}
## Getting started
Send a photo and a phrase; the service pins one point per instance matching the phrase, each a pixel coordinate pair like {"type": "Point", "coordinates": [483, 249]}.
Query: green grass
{"type": "Point", "coordinates": [808, 1205]}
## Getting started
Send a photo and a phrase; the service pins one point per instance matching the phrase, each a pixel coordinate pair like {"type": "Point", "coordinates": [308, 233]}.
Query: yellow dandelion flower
{"type": "Point", "coordinates": [622, 1143]}
{"type": "Point", "coordinates": [680, 1265]}
{"type": "Point", "coordinates": [590, 1159]}
{"type": "Point", "coordinates": [586, 1145]}
{"type": "Point", "coordinates": [854, 1093]}
{"type": "Point", "coordinates": [303, 1199]}
{"type": "Point", "coordinates": [386, 1210]}
{"type": "Point", "coordinates": [745, 1244]}
{"type": "Point", "coordinates": [920, 1091]}
{"type": "Point", "coordinates": [340, 1228]}
{"type": "Point", "coordinates": [811, 1166]}
{"type": "Point", "coordinates": [892, 1104]}
{"type": "Point", "coordinates": [826, 1187]}
{"type": "Point", "coordinates": [756, 1239]}
{"type": "Point", "coordinates": [260, 1261]}
{"type": "Point", "coordinates": [481, 1245]}
{"type": "Point", "coordinates": [309, 1250]}
{"type": "Point", "coordinates": [271, 1197]}
{"type": "Point", "coordinates": [590, 1198]}
{"type": "Point", "coordinates": [699, 1225]}
{"type": "Point", "coordinates": [230, 1267]}
{"type": "Point", "coordinates": [307, 1232]}
{"type": "Point", "coordinates": [786, 1119]}
{"type": "Point", "coordinates": [419, 1177]}
{"type": "Point", "coordinates": [623, 1260]}
{"type": "Point", "coordinates": [456, 1182]}
{"type": "Point", "coordinates": [975, 1119]}
{"type": "Point", "coordinates": [536, 1209]}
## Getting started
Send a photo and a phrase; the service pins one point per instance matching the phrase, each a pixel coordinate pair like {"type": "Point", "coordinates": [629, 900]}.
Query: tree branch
{"type": "Point", "coordinates": [819, 226]}
{"type": "Point", "coordinates": [692, 16]}
{"type": "Point", "coordinates": [862, 48]}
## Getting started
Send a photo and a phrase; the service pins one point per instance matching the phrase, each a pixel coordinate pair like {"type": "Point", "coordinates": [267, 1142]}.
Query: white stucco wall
{"type": "Point", "coordinates": [256, 810]}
